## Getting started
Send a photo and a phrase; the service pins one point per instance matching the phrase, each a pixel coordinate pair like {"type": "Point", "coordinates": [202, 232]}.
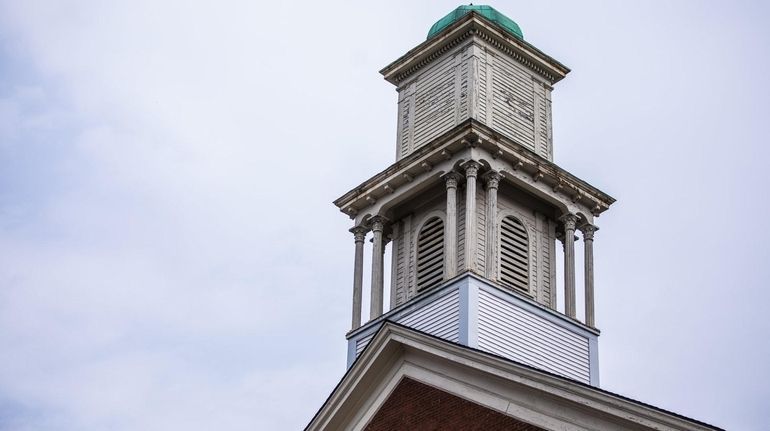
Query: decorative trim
{"type": "Point", "coordinates": [515, 54]}
{"type": "Point", "coordinates": [446, 47]}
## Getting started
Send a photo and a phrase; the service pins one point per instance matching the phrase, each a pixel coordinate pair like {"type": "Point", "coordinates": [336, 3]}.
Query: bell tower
{"type": "Point", "coordinates": [474, 209]}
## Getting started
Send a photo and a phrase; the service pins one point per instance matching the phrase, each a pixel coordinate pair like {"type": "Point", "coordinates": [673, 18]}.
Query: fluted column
{"type": "Point", "coordinates": [492, 180]}
{"type": "Point", "coordinates": [471, 173]}
{"type": "Point", "coordinates": [588, 247]}
{"type": "Point", "coordinates": [359, 234]}
{"type": "Point", "coordinates": [569, 264]}
{"type": "Point", "coordinates": [450, 235]}
{"type": "Point", "coordinates": [375, 309]}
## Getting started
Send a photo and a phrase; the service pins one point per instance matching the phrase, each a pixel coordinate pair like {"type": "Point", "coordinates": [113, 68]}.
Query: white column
{"type": "Point", "coordinates": [569, 264]}
{"type": "Point", "coordinates": [359, 234]}
{"type": "Point", "coordinates": [588, 246]}
{"type": "Point", "coordinates": [450, 235]}
{"type": "Point", "coordinates": [471, 172]}
{"type": "Point", "coordinates": [395, 240]}
{"type": "Point", "coordinates": [375, 309]}
{"type": "Point", "coordinates": [492, 179]}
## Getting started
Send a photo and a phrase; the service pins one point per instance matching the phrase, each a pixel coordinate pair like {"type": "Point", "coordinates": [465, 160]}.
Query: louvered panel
{"type": "Point", "coordinates": [513, 100]}
{"type": "Point", "coordinates": [463, 92]}
{"type": "Point", "coordinates": [435, 103]}
{"type": "Point", "coordinates": [512, 332]}
{"type": "Point", "coordinates": [405, 125]}
{"type": "Point", "coordinates": [514, 254]}
{"type": "Point", "coordinates": [482, 83]}
{"type": "Point", "coordinates": [430, 254]}
{"type": "Point", "coordinates": [542, 122]}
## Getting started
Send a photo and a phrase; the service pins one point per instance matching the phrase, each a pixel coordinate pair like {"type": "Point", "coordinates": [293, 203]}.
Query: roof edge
{"type": "Point", "coordinates": [469, 25]}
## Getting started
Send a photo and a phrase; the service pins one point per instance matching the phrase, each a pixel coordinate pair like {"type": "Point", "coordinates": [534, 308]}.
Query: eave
{"type": "Point", "coordinates": [471, 133]}
{"type": "Point", "coordinates": [397, 351]}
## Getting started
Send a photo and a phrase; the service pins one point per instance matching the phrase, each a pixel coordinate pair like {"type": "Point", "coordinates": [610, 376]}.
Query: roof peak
{"type": "Point", "coordinates": [487, 12]}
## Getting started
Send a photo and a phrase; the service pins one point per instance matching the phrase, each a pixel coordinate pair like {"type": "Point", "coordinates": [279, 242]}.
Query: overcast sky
{"type": "Point", "coordinates": [170, 257]}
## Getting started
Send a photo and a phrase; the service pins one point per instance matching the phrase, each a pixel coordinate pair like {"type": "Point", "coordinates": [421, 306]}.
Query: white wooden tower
{"type": "Point", "coordinates": [474, 209]}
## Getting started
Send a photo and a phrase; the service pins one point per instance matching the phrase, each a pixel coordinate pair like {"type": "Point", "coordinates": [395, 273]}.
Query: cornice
{"type": "Point", "coordinates": [474, 24]}
{"type": "Point", "coordinates": [471, 132]}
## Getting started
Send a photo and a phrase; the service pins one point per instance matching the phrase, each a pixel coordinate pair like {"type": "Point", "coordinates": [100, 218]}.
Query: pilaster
{"type": "Point", "coordinates": [492, 182]}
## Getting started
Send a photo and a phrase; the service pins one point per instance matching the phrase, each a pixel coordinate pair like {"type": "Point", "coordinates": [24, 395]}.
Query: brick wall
{"type": "Point", "coordinates": [415, 406]}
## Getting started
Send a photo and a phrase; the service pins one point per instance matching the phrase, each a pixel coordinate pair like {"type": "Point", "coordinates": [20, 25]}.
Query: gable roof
{"type": "Point", "coordinates": [526, 393]}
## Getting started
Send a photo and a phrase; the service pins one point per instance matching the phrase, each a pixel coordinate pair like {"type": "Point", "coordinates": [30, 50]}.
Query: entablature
{"type": "Point", "coordinates": [472, 140]}
{"type": "Point", "coordinates": [470, 25]}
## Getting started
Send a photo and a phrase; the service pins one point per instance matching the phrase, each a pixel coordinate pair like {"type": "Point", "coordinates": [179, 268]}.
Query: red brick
{"type": "Point", "coordinates": [415, 406]}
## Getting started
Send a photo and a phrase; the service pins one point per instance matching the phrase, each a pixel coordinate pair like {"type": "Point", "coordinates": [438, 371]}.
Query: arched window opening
{"type": "Point", "coordinates": [430, 254]}
{"type": "Point", "coordinates": [514, 254]}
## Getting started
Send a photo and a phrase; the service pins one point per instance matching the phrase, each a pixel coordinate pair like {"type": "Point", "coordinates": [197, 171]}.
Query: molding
{"type": "Point", "coordinates": [474, 25]}
{"type": "Point", "coordinates": [408, 173]}
{"type": "Point", "coordinates": [536, 396]}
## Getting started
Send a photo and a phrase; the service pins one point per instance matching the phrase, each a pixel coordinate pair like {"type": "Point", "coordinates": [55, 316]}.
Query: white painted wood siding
{"type": "Point", "coordinates": [440, 318]}
{"type": "Point", "coordinates": [363, 342]}
{"type": "Point", "coordinates": [509, 331]}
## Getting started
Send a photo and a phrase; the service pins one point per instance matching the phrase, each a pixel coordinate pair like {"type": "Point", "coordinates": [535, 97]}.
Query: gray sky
{"type": "Point", "coordinates": [170, 257]}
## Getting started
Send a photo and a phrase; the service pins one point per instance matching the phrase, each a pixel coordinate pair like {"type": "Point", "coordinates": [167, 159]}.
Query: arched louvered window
{"type": "Point", "coordinates": [430, 254]}
{"type": "Point", "coordinates": [514, 254]}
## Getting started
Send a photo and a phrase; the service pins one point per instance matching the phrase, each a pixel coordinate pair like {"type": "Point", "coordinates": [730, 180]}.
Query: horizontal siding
{"type": "Point", "coordinates": [440, 318]}
{"type": "Point", "coordinates": [509, 331]}
{"type": "Point", "coordinates": [362, 343]}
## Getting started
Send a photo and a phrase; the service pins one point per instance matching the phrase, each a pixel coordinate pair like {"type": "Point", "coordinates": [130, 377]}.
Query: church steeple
{"type": "Point", "coordinates": [474, 206]}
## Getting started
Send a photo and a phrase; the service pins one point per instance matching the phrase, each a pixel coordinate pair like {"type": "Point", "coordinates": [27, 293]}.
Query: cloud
{"type": "Point", "coordinates": [169, 257]}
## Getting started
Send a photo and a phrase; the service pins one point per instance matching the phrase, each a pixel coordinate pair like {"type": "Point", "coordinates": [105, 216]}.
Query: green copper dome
{"type": "Point", "coordinates": [487, 12]}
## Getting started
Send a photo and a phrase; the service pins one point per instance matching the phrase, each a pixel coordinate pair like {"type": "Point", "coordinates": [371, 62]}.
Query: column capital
{"type": "Point", "coordinates": [588, 231]}
{"type": "Point", "coordinates": [471, 168]}
{"type": "Point", "coordinates": [452, 178]}
{"type": "Point", "coordinates": [359, 233]}
{"type": "Point", "coordinates": [569, 220]}
{"type": "Point", "coordinates": [492, 179]}
{"type": "Point", "coordinates": [378, 223]}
